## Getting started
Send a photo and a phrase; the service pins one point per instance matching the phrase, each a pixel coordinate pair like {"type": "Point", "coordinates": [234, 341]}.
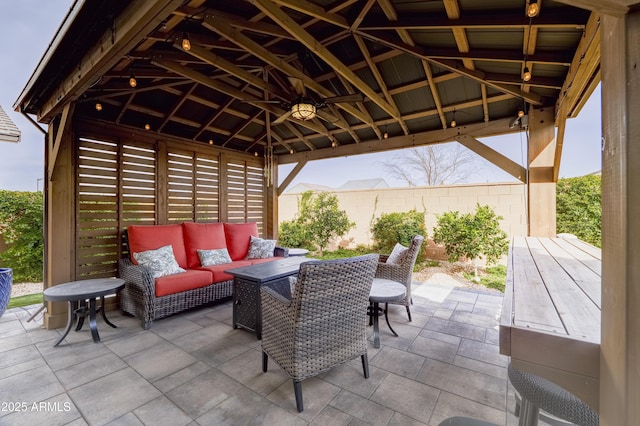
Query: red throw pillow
{"type": "Point", "coordinates": [238, 236]}
{"type": "Point", "coordinates": [202, 236]}
{"type": "Point", "coordinates": [151, 237]}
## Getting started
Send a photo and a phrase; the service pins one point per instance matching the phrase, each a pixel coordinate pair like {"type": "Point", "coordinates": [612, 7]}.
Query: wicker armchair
{"type": "Point", "coordinates": [401, 272]}
{"type": "Point", "coordinates": [322, 322]}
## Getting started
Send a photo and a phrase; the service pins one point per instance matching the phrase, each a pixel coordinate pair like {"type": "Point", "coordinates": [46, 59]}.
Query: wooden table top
{"type": "Point", "coordinates": [550, 324]}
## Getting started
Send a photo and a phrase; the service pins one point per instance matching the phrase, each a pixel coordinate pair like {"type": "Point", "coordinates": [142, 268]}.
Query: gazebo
{"type": "Point", "coordinates": [168, 111]}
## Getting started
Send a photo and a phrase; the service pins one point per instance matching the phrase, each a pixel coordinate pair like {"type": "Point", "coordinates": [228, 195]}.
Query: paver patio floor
{"type": "Point", "coordinates": [195, 369]}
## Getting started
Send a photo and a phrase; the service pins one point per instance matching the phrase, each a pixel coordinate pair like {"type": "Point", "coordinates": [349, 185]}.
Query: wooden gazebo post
{"type": "Point", "coordinates": [620, 350]}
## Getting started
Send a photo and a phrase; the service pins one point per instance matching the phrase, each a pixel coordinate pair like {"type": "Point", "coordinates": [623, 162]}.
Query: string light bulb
{"type": "Point", "coordinates": [526, 74]}
{"type": "Point", "coordinates": [520, 113]}
{"type": "Point", "coordinates": [255, 153]}
{"type": "Point", "coordinates": [210, 141]}
{"type": "Point", "coordinates": [453, 122]}
{"type": "Point", "coordinates": [132, 80]}
{"type": "Point", "coordinates": [147, 126]}
{"type": "Point", "coordinates": [333, 144]}
{"type": "Point", "coordinates": [533, 9]}
{"type": "Point", "coordinates": [186, 43]}
{"type": "Point", "coordinates": [291, 151]}
{"type": "Point", "coordinates": [98, 106]}
{"type": "Point", "coordinates": [386, 135]}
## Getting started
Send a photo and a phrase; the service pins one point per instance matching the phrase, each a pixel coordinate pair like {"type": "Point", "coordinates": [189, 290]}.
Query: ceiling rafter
{"type": "Point", "coordinates": [455, 67]}
{"type": "Point", "coordinates": [177, 106]}
{"type": "Point", "coordinates": [404, 35]}
{"type": "Point", "coordinates": [259, 51]}
{"type": "Point", "coordinates": [285, 21]}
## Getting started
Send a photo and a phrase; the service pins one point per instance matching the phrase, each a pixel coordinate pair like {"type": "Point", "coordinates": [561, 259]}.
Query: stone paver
{"type": "Point", "coordinates": [194, 368]}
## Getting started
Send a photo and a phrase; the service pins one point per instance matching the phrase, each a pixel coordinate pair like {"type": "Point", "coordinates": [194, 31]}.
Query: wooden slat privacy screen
{"type": "Point", "coordinates": [118, 184]}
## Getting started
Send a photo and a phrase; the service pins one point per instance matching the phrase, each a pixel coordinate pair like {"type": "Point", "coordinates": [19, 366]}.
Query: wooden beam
{"type": "Point", "coordinates": [562, 126]}
{"type": "Point", "coordinates": [61, 131]}
{"type": "Point", "coordinates": [363, 12]}
{"type": "Point", "coordinates": [292, 174]}
{"type": "Point", "coordinates": [605, 7]}
{"type": "Point", "coordinates": [585, 64]}
{"type": "Point", "coordinates": [314, 11]}
{"type": "Point", "coordinates": [131, 26]}
{"type": "Point", "coordinates": [285, 21]}
{"type": "Point", "coordinates": [489, 154]}
{"type": "Point", "coordinates": [497, 127]}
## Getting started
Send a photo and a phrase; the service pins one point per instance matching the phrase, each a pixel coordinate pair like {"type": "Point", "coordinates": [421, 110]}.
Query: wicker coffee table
{"type": "Point", "coordinates": [76, 293]}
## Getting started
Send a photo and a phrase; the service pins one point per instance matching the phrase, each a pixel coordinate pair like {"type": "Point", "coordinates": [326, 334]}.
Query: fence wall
{"type": "Point", "coordinates": [364, 206]}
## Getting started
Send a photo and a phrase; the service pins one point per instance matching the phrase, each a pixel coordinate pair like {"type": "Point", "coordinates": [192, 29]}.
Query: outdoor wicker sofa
{"type": "Point", "coordinates": [148, 298]}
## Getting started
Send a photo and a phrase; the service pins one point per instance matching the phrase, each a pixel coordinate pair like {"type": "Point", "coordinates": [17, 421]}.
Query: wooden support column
{"type": "Point", "coordinates": [271, 204]}
{"type": "Point", "coordinates": [60, 210]}
{"type": "Point", "coordinates": [542, 188]}
{"type": "Point", "coordinates": [620, 341]}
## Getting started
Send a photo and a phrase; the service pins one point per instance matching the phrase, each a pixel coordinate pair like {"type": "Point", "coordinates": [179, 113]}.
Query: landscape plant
{"type": "Point", "coordinates": [21, 226]}
{"type": "Point", "coordinates": [579, 208]}
{"type": "Point", "coordinates": [471, 236]}
{"type": "Point", "coordinates": [318, 221]}
{"type": "Point", "coordinates": [398, 227]}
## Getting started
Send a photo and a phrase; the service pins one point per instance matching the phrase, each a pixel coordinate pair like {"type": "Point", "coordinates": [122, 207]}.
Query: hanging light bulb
{"type": "Point", "coordinates": [533, 9]}
{"type": "Point", "coordinates": [453, 122]}
{"type": "Point", "coordinates": [132, 80]}
{"type": "Point", "coordinates": [147, 126]}
{"type": "Point", "coordinates": [526, 74]}
{"type": "Point", "coordinates": [210, 141]}
{"type": "Point", "coordinates": [255, 153]}
{"type": "Point", "coordinates": [98, 106]}
{"type": "Point", "coordinates": [291, 151]}
{"type": "Point", "coordinates": [333, 144]}
{"type": "Point", "coordinates": [186, 43]}
{"type": "Point", "coordinates": [520, 113]}
{"type": "Point", "coordinates": [386, 135]}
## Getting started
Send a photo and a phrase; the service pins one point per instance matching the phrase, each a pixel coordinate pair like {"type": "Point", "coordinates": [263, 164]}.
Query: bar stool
{"type": "Point", "coordinates": [540, 394]}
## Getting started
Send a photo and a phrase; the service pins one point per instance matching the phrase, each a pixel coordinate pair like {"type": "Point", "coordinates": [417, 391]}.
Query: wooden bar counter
{"type": "Point", "coordinates": [550, 324]}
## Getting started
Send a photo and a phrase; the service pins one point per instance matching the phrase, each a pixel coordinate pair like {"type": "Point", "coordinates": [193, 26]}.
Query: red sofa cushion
{"type": "Point", "coordinates": [151, 237]}
{"type": "Point", "coordinates": [202, 236]}
{"type": "Point", "coordinates": [238, 236]}
{"type": "Point", "coordinates": [218, 270]}
{"type": "Point", "coordinates": [176, 283]}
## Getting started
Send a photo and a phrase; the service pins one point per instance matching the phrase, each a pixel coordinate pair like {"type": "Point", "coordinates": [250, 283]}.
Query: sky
{"type": "Point", "coordinates": [28, 26]}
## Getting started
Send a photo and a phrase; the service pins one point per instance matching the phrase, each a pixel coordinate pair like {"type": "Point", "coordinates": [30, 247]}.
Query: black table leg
{"type": "Point", "coordinates": [70, 317]}
{"type": "Point", "coordinates": [386, 307]}
{"type": "Point", "coordinates": [92, 320]}
{"type": "Point", "coordinates": [104, 313]}
{"type": "Point", "coordinates": [376, 327]}
{"type": "Point", "coordinates": [81, 312]}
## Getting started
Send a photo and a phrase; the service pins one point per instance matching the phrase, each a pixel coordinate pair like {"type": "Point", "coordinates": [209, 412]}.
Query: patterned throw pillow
{"type": "Point", "coordinates": [161, 261]}
{"type": "Point", "coordinates": [214, 257]}
{"type": "Point", "coordinates": [397, 255]}
{"type": "Point", "coordinates": [260, 249]}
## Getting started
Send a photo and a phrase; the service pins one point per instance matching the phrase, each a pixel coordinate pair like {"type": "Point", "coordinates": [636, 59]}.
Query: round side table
{"type": "Point", "coordinates": [383, 291]}
{"type": "Point", "coordinates": [76, 293]}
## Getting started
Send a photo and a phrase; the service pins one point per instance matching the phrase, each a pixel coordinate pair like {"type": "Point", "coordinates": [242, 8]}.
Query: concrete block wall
{"type": "Point", "coordinates": [364, 206]}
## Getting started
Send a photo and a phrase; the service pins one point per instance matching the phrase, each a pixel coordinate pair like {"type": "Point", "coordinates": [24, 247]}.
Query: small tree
{"type": "Point", "coordinates": [471, 236]}
{"type": "Point", "coordinates": [319, 220]}
{"type": "Point", "coordinates": [398, 227]}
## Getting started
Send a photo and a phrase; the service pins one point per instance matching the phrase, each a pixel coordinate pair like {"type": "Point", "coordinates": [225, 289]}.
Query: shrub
{"type": "Point", "coordinates": [319, 220]}
{"type": "Point", "coordinates": [471, 235]}
{"type": "Point", "coordinates": [21, 225]}
{"type": "Point", "coordinates": [579, 208]}
{"type": "Point", "coordinates": [398, 227]}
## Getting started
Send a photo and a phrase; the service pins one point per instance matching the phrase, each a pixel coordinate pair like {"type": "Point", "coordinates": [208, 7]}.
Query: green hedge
{"type": "Point", "coordinates": [21, 225]}
{"type": "Point", "coordinates": [398, 227]}
{"type": "Point", "coordinates": [579, 208]}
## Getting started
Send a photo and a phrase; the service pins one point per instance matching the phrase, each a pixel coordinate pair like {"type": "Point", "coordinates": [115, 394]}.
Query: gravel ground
{"type": "Point", "coordinates": [22, 289]}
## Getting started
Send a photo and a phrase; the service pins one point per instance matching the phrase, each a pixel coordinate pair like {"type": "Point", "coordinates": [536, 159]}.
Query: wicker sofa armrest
{"type": "Point", "coordinates": [279, 293]}
{"type": "Point", "coordinates": [281, 252]}
{"type": "Point", "coordinates": [138, 297]}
